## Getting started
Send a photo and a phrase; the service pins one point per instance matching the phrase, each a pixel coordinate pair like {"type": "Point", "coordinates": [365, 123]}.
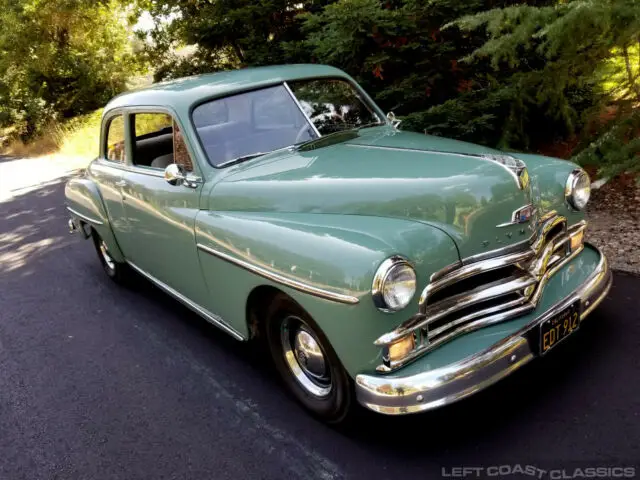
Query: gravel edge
{"type": "Point", "coordinates": [614, 223]}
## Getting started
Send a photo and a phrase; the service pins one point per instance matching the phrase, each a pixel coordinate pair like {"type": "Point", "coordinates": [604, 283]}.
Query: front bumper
{"type": "Point", "coordinates": [447, 384]}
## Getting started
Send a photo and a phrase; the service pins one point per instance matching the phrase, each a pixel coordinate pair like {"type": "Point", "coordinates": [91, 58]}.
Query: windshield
{"type": "Point", "coordinates": [249, 124]}
{"type": "Point", "coordinates": [333, 105]}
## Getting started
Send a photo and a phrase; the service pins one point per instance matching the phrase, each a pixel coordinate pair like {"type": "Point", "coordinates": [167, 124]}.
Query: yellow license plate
{"type": "Point", "coordinates": [559, 327]}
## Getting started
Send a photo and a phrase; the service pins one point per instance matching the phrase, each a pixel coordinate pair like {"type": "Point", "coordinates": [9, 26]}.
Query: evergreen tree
{"type": "Point", "coordinates": [580, 46]}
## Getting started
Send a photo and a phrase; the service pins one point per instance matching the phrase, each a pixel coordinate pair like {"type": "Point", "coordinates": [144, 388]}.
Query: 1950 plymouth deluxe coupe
{"type": "Point", "coordinates": [399, 269]}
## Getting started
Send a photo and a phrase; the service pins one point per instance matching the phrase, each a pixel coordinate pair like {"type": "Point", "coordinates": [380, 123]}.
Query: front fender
{"type": "Point", "coordinates": [84, 202]}
{"type": "Point", "coordinates": [328, 252]}
{"type": "Point", "coordinates": [548, 179]}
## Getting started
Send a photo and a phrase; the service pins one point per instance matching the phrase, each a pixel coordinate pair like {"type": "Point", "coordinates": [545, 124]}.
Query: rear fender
{"type": "Point", "coordinates": [84, 203]}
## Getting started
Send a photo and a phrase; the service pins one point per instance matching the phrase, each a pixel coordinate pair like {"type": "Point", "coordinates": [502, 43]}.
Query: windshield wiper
{"type": "Point", "coordinates": [367, 125]}
{"type": "Point", "coordinates": [241, 159]}
{"type": "Point", "coordinates": [328, 139]}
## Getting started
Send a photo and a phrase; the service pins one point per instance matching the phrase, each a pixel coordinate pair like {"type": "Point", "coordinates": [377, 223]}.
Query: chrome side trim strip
{"type": "Point", "coordinates": [445, 385]}
{"type": "Point", "coordinates": [293, 97]}
{"type": "Point", "coordinates": [207, 315]}
{"type": "Point", "coordinates": [275, 277]}
{"type": "Point", "coordinates": [84, 217]}
{"type": "Point", "coordinates": [418, 150]}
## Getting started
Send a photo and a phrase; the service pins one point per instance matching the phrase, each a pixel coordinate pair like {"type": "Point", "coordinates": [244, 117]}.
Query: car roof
{"type": "Point", "coordinates": [184, 92]}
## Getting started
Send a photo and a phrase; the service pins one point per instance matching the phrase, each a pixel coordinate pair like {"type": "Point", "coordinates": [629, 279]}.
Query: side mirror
{"type": "Point", "coordinates": [392, 118]}
{"type": "Point", "coordinates": [175, 174]}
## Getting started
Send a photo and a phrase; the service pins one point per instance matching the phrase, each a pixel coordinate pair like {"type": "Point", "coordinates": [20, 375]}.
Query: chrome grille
{"type": "Point", "coordinates": [486, 292]}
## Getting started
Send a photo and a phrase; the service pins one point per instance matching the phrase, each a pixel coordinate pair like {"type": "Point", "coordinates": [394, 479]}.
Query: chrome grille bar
{"type": "Point", "coordinates": [469, 271]}
{"type": "Point", "coordinates": [458, 302]}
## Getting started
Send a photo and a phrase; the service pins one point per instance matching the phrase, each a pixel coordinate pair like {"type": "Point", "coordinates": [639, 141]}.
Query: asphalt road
{"type": "Point", "coordinates": [102, 382]}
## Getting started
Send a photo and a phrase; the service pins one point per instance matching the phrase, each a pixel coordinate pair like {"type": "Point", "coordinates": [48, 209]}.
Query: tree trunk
{"type": "Point", "coordinates": [635, 87]}
{"type": "Point", "coordinates": [238, 51]}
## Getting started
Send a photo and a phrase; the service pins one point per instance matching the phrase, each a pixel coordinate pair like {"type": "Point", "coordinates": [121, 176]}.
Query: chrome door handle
{"type": "Point", "coordinates": [121, 183]}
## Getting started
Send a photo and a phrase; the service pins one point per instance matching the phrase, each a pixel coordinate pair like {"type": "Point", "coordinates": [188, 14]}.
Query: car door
{"type": "Point", "coordinates": [107, 170]}
{"type": "Point", "coordinates": [160, 239]}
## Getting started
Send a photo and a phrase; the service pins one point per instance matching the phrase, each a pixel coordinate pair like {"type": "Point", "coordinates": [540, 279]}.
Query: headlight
{"type": "Point", "coordinates": [578, 189]}
{"type": "Point", "coordinates": [394, 284]}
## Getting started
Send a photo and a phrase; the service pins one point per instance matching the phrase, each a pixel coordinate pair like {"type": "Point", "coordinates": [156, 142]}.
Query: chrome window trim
{"type": "Point", "coordinates": [207, 315]}
{"type": "Point", "coordinates": [105, 124]}
{"type": "Point", "coordinates": [297, 102]}
{"type": "Point", "coordinates": [282, 280]}
{"type": "Point", "coordinates": [84, 217]}
{"type": "Point", "coordinates": [152, 172]}
{"type": "Point", "coordinates": [191, 180]}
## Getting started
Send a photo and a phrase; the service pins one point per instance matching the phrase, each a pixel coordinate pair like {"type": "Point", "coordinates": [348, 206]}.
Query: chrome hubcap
{"type": "Point", "coordinates": [105, 255]}
{"type": "Point", "coordinates": [305, 357]}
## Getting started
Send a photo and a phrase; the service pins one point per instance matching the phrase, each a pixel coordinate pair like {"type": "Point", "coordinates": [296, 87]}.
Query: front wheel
{"type": "Point", "coordinates": [306, 362]}
{"type": "Point", "coordinates": [115, 270]}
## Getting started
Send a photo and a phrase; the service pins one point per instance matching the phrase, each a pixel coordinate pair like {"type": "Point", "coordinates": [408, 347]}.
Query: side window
{"type": "Point", "coordinates": [115, 140]}
{"type": "Point", "coordinates": [158, 142]}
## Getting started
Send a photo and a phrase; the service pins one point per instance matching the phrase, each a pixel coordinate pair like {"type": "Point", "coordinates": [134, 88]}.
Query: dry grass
{"type": "Point", "coordinates": [76, 139]}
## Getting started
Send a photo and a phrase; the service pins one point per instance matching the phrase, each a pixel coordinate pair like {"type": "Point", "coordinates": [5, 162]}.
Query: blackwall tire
{"type": "Point", "coordinates": [306, 362]}
{"type": "Point", "coordinates": [118, 272]}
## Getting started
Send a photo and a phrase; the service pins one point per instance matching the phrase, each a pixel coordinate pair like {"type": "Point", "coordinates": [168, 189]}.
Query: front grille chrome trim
{"type": "Point", "coordinates": [537, 265]}
{"type": "Point", "coordinates": [473, 269]}
{"type": "Point", "coordinates": [456, 303]}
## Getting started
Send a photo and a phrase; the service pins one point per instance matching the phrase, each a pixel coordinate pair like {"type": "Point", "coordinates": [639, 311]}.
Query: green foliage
{"type": "Point", "coordinates": [516, 74]}
{"type": "Point", "coordinates": [59, 59]}
{"type": "Point", "coordinates": [615, 146]}
{"type": "Point", "coordinates": [589, 52]}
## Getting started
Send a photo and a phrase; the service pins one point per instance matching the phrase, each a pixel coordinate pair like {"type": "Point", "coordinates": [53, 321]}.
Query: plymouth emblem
{"type": "Point", "coordinates": [522, 215]}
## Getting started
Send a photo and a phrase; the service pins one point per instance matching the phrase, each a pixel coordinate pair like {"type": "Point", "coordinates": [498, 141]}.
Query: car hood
{"type": "Point", "coordinates": [455, 186]}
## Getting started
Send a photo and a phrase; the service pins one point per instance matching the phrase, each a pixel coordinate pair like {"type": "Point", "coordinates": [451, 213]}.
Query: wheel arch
{"type": "Point", "coordinates": [260, 296]}
{"type": "Point", "coordinates": [85, 205]}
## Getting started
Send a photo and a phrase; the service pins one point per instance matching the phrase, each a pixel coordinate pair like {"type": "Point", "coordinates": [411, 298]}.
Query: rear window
{"type": "Point", "coordinates": [115, 150]}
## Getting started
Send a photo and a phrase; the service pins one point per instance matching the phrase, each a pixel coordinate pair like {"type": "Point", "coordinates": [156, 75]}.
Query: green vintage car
{"type": "Point", "coordinates": [401, 270]}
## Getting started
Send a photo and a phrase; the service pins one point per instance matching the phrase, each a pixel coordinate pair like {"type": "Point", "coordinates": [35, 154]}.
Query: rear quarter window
{"type": "Point", "coordinates": [115, 149]}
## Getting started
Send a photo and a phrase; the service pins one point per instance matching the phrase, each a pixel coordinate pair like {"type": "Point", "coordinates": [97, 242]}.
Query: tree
{"type": "Point", "coordinates": [226, 33]}
{"type": "Point", "coordinates": [59, 59]}
{"type": "Point", "coordinates": [580, 44]}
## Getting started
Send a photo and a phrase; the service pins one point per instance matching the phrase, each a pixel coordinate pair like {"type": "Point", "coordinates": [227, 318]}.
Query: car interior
{"type": "Point", "coordinates": [154, 149]}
